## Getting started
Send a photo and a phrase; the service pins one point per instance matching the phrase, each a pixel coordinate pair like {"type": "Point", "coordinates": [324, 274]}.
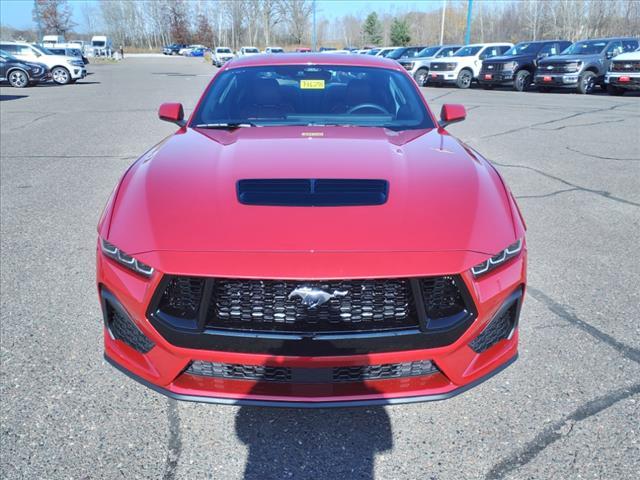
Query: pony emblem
{"type": "Point", "coordinates": [314, 297]}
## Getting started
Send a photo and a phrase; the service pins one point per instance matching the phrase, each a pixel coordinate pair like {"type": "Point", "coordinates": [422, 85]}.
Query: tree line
{"type": "Point", "coordinates": [151, 24]}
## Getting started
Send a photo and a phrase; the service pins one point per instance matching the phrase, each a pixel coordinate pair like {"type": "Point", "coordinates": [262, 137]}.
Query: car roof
{"type": "Point", "coordinates": [315, 58]}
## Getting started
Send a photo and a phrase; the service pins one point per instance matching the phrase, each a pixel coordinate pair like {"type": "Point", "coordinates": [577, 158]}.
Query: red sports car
{"type": "Point", "coordinates": [311, 236]}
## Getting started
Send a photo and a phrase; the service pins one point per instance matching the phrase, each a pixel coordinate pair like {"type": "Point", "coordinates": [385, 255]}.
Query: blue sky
{"type": "Point", "coordinates": [17, 13]}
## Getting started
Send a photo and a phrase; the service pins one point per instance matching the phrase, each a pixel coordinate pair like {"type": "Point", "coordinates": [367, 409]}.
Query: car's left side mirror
{"type": "Point", "coordinates": [172, 112]}
{"type": "Point", "coordinates": [452, 113]}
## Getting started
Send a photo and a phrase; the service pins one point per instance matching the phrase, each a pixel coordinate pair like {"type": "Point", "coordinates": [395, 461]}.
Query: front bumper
{"type": "Point", "coordinates": [502, 78]}
{"type": "Point", "coordinates": [630, 81]}
{"type": "Point", "coordinates": [564, 80]}
{"type": "Point", "coordinates": [166, 367]}
{"type": "Point", "coordinates": [77, 72]}
{"type": "Point", "coordinates": [442, 77]}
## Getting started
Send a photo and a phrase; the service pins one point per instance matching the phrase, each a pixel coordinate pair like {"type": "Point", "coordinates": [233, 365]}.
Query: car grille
{"type": "Point", "coordinates": [558, 67]}
{"type": "Point", "coordinates": [499, 328]}
{"type": "Point", "coordinates": [259, 373]}
{"type": "Point", "coordinates": [277, 305]}
{"type": "Point", "coordinates": [438, 67]}
{"type": "Point", "coordinates": [492, 67]}
{"type": "Point", "coordinates": [122, 328]}
{"type": "Point", "coordinates": [622, 66]}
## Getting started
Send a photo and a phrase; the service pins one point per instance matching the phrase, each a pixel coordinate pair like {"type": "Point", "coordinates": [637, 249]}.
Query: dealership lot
{"type": "Point", "coordinates": [567, 409]}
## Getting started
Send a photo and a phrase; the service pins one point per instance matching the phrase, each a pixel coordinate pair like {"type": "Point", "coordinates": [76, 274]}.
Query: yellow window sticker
{"type": "Point", "coordinates": [312, 84]}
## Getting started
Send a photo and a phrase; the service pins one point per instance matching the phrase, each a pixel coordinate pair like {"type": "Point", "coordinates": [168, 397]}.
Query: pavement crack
{"type": "Point", "coordinates": [602, 193]}
{"type": "Point", "coordinates": [561, 311]}
{"type": "Point", "coordinates": [601, 157]}
{"type": "Point", "coordinates": [546, 195]}
{"type": "Point", "coordinates": [174, 445]}
{"type": "Point", "coordinates": [549, 122]}
{"type": "Point", "coordinates": [31, 122]}
{"type": "Point", "coordinates": [557, 430]}
{"type": "Point", "coordinates": [440, 96]}
{"type": "Point", "coordinates": [562, 127]}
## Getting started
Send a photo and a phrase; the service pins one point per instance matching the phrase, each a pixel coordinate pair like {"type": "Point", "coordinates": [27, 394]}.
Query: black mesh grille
{"type": "Point", "coordinates": [498, 329]}
{"type": "Point", "coordinates": [123, 329]}
{"type": "Point", "coordinates": [551, 67]}
{"type": "Point", "coordinates": [297, 306]}
{"type": "Point", "coordinates": [441, 297]}
{"type": "Point", "coordinates": [379, 372]}
{"type": "Point", "coordinates": [622, 66]}
{"type": "Point", "coordinates": [270, 305]}
{"type": "Point", "coordinates": [438, 66]}
{"type": "Point", "coordinates": [491, 67]}
{"type": "Point", "coordinates": [182, 297]}
{"type": "Point", "coordinates": [312, 375]}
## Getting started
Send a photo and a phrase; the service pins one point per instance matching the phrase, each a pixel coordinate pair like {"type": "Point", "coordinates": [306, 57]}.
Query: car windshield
{"type": "Point", "coordinates": [223, 50]}
{"type": "Point", "coordinates": [397, 53]}
{"type": "Point", "coordinates": [42, 50]}
{"type": "Point", "coordinates": [98, 43]}
{"type": "Point", "coordinates": [373, 51]}
{"type": "Point", "coordinates": [467, 51]}
{"type": "Point", "coordinates": [428, 52]}
{"type": "Point", "coordinates": [251, 50]}
{"type": "Point", "coordinates": [523, 48]}
{"type": "Point", "coordinates": [281, 95]}
{"type": "Point", "coordinates": [589, 47]}
{"type": "Point", "coordinates": [277, 50]}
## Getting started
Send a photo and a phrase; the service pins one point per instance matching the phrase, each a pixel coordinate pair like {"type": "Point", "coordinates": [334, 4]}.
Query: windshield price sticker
{"type": "Point", "coordinates": [312, 84]}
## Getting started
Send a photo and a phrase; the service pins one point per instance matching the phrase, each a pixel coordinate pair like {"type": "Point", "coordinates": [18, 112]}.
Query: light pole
{"type": "Point", "coordinates": [444, 9]}
{"type": "Point", "coordinates": [467, 35]}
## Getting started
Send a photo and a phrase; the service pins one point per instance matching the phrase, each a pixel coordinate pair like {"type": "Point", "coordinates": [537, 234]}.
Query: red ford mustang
{"type": "Point", "coordinates": [311, 236]}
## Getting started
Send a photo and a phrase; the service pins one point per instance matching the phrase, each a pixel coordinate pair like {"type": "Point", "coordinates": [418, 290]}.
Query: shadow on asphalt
{"type": "Point", "coordinates": [310, 444]}
{"type": "Point", "coordinates": [4, 98]}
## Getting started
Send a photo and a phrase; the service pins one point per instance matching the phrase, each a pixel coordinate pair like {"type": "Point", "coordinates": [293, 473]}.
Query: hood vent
{"type": "Point", "coordinates": [302, 192]}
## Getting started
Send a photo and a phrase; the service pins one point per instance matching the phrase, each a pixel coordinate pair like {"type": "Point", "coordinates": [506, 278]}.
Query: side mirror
{"type": "Point", "coordinates": [451, 113]}
{"type": "Point", "coordinates": [609, 55]}
{"type": "Point", "coordinates": [172, 112]}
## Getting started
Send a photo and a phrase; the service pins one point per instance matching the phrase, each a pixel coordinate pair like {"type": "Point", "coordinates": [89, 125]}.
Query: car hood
{"type": "Point", "coordinates": [629, 56]}
{"type": "Point", "coordinates": [510, 58]}
{"type": "Point", "coordinates": [570, 58]}
{"type": "Point", "coordinates": [181, 195]}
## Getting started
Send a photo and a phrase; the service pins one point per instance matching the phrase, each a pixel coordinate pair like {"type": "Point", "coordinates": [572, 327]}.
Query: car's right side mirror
{"type": "Point", "coordinates": [172, 112]}
{"type": "Point", "coordinates": [452, 113]}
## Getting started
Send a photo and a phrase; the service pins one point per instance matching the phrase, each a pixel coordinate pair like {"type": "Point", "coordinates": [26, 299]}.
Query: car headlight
{"type": "Point", "coordinates": [451, 66]}
{"type": "Point", "coordinates": [499, 259]}
{"type": "Point", "coordinates": [510, 66]}
{"type": "Point", "coordinates": [77, 63]}
{"type": "Point", "coordinates": [125, 260]}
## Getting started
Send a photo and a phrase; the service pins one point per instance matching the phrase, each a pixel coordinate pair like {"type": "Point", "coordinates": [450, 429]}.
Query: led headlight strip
{"type": "Point", "coordinates": [125, 260]}
{"type": "Point", "coordinates": [504, 256]}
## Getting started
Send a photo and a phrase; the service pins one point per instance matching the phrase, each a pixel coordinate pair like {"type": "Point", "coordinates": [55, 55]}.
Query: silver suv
{"type": "Point", "coordinates": [419, 65]}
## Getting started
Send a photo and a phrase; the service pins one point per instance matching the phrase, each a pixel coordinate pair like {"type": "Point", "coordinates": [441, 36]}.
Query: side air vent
{"type": "Point", "coordinates": [302, 192]}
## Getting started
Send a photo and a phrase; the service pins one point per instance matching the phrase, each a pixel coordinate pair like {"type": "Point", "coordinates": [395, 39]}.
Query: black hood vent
{"type": "Point", "coordinates": [303, 192]}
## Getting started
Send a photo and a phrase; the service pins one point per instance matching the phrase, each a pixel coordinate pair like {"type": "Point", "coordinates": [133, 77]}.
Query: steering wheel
{"type": "Point", "coordinates": [369, 105]}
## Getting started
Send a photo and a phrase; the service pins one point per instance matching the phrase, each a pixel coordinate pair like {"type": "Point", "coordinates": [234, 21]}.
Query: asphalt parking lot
{"type": "Point", "coordinates": [568, 408]}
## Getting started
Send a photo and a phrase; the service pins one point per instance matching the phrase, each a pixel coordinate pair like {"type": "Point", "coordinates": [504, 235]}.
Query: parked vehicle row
{"type": "Point", "coordinates": [21, 74]}
{"type": "Point", "coordinates": [63, 69]}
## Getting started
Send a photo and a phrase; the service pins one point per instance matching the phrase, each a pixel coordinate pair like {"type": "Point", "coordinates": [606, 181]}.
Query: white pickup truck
{"type": "Point", "coordinates": [221, 55]}
{"type": "Point", "coordinates": [464, 66]}
{"type": "Point", "coordinates": [623, 74]}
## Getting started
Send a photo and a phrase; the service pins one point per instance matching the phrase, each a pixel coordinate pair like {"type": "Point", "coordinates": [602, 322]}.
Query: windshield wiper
{"type": "Point", "coordinates": [225, 125]}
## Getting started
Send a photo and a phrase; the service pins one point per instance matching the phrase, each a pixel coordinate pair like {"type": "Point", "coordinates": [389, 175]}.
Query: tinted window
{"type": "Point", "coordinates": [523, 48]}
{"type": "Point", "coordinates": [549, 49]}
{"type": "Point", "coordinates": [448, 52]}
{"type": "Point", "coordinates": [630, 45]}
{"type": "Point", "coordinates": [588, 47]}
{"type": "Point", "coordinates": [491, 52]}
{"type": "Point", "coordinates": [313, 95]}
{"type": "Point", "coordinates": [13, 49]}
{"type": "Point", "coordinates": [614, 48]}
{"type": "Point", "coordinates": [428, 52]}
{"type": "Point", "coordinates": [467, 51]}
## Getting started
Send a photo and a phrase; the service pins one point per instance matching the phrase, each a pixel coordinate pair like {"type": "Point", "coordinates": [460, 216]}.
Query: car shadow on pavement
{"type": "Point", "coordinates": [338, 443]}
{"type": "Point", "coordinates": [4, 98]}
{"type": "Point", "coordinates": [302, 443]}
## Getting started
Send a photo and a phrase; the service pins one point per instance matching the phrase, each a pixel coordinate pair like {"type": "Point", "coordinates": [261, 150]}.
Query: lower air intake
{"type": "Point", "coordinates": [122, 328]}
{"type": "Point", "coordinates": [498, 329]}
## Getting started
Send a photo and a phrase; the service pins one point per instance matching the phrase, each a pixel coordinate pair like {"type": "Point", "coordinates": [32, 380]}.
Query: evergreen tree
{"type": "Point", "coordinates": [400, 32]}
{"type": "Point", "coordinates": [372, 29]}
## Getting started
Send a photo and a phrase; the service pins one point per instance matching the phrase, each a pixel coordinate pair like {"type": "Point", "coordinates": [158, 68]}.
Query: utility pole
{"type": "Point", "coordinates": [313, 34]}
{"type": "Point", "coordinates": [467, 35]}
{"type": "Point", "coordinates": [444, 9]}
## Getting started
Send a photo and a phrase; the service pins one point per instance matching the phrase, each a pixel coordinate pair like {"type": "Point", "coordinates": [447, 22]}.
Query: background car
{"type": "Point", "coordinates": [69, 52]}
{"type": "Point", "coordinates": [248, 51]}
{"type": "Point", "coordinates": [404, 52]}
{"type": "Point", "coordinates": [196, 52]}
{"type": "Point", "coordinates": [517, 66]}
{"type": "Point", "coordinates": [383, 52]}
{"type": "Point", "coordinates": [582, 66]}
{"type": "Point", "coordinates": [624, 73]}
{"type": "Point", "coordinates": [63, 69]}
{"type": "Point", "coordinates": [303, 50]}
{"type": "Point", "coordinates": [464, 66]}
{"type": "Point", "coordinates": [418, 66]}
{"type": "Point", "coordinates": [21, 74]}
{"type": "Point", "coordinates": [221, 55]}
{"type": "Point", "coordinates": [274, 50]}
{"type": "Point", "coordinates": [173, 49]}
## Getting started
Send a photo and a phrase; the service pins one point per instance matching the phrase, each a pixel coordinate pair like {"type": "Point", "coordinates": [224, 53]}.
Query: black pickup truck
{"type": "Point", "coordinates": [517, 66]}
{"type": "Point", "coordinates": [582, 66]}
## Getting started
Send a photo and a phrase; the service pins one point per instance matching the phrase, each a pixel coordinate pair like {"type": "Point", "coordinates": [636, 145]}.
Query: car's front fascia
{"type": "Point", "coordinates": [438, 360]}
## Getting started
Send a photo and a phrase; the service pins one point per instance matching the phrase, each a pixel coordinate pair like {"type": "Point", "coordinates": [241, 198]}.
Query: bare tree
{"type": "Point", "coordinates": [54, 16]}
{"type": "Point", "coordinates": [296, 14]}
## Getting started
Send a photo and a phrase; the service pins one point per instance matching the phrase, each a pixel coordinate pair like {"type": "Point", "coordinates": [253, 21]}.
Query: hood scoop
{"type": "Point", "coordinates": [303, 192]}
